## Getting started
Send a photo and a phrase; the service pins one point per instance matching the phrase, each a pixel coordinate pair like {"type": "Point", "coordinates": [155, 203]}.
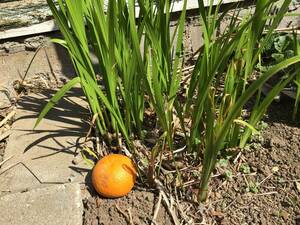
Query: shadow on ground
{"type": "Point", "coordinates": [69, 116]}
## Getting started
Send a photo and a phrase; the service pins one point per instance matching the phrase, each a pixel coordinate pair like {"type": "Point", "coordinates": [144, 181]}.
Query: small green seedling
{"type": "Point", "coordinates": [245, 169]}
{"type": "Point", "coordinates": [228, 175]}
{"type": "Point", "coordinates": [253, 187]}
{"type": "Point", "coordinates": [222, 163]}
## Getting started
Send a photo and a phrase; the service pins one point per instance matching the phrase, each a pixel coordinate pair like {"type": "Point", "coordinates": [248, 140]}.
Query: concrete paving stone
{"type": "Point", "coordinates": [45, 154]}
{"type": "Point", "coordinates": [18, 177]}
{"type": "Point", "coordinates": [53, 60]}
{"type": "Point", "coordinates": [53, 205]}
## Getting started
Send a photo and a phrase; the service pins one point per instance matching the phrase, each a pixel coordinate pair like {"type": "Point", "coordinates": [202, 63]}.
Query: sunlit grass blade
{"type": "Point", "coordinates": [259, 109]}
{"type": "Point", "coordinates": [297, 99]}
{"type": "Point", "coordinates": [248, 125]}
{"type": "Point", "coordinates": [296, 46]}
{"type": "Point", "coordinates": [87, 150]}
{"type": "Point", "coordinates": [56, 98]}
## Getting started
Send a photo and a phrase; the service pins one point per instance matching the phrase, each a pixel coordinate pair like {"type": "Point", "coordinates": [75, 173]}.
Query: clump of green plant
{"type": "Point", "coordinates": [86, 26]}
{"type": "Point", "coordinates": [245, 168]}
{"type": "Point", "coordinates": [279, 47]}
{"type": "Point", "coordinates": [138, 56]}
{"type": "Point", "coordinates": [115, 36]}
{"type": "Point", "coordinates": [220, 84]}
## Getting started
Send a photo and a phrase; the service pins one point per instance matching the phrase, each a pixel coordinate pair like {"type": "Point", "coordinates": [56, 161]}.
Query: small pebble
{"type": "Point", "coordinates": [71, 178]}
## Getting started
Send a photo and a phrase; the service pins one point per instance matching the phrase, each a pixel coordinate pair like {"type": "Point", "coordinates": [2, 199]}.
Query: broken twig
{"type": "Point", "coordinates": [7, 118]}
{"type": "Point", "coordinates": [157, 207]}
{"type": "Point", "coordinates": [5, 135]}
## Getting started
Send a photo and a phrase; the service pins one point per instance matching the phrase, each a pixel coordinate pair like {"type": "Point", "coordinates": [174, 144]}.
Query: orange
{"type": "Point", "coordinates": [114, 176]}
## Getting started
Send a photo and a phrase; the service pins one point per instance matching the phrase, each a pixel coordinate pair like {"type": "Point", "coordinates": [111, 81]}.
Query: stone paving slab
{"type": "Point", "coordinates": [49, 60]}
{"type": "Point", "coordinates": [53, 205]}
{"type": "Point", "coordinates": [17, 179]}
{"type": "Point", "coordinates": [45, 155]}
{"type": "Point", "coordinates": [52, 62]}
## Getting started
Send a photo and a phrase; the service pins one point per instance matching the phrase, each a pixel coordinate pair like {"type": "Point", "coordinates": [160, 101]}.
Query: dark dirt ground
{"type": "Point", "coordinates": [135, 208]}
{"type": "Point", "coordinates": [268, 193]}
{"type": "Point", "coordinates": [263, 185]}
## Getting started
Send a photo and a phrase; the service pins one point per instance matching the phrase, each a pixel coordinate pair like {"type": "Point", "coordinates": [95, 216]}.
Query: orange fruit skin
{"type": "Point", "coordinates": [114, 176]}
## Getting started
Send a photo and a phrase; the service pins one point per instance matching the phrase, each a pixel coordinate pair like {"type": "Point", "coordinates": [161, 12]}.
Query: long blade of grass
{"type": "Point", "coordinates": [259, 110]}
{"type": "Point", "coordinates": [56, 98]}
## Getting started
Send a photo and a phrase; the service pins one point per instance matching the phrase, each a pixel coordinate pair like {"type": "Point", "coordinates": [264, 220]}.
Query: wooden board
{"type": "Point", "coordinates": [28, 17]}
{"type": "Point", "coordinates": [39, 28]}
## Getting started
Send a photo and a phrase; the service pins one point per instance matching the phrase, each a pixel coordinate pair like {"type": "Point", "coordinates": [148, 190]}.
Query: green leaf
{"type": "Point", "coordinates": [281, 43]}
{"type": "Point", "coordinates": [90, 152]}
{"type": "Point", "coordinates": [56, 98]}
{"type": "Point", "coordinates": [244, 123]}
{"type": "Point", "coordinates": [278, 57]}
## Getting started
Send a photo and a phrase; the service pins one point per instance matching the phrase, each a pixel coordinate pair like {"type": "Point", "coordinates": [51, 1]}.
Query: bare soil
{"type": "Point", "coordinates": [263, 188]}
{"type": "Point", "coordinates": [269, 193]}
{"type": "Point", "coordinates": [135, 208]}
